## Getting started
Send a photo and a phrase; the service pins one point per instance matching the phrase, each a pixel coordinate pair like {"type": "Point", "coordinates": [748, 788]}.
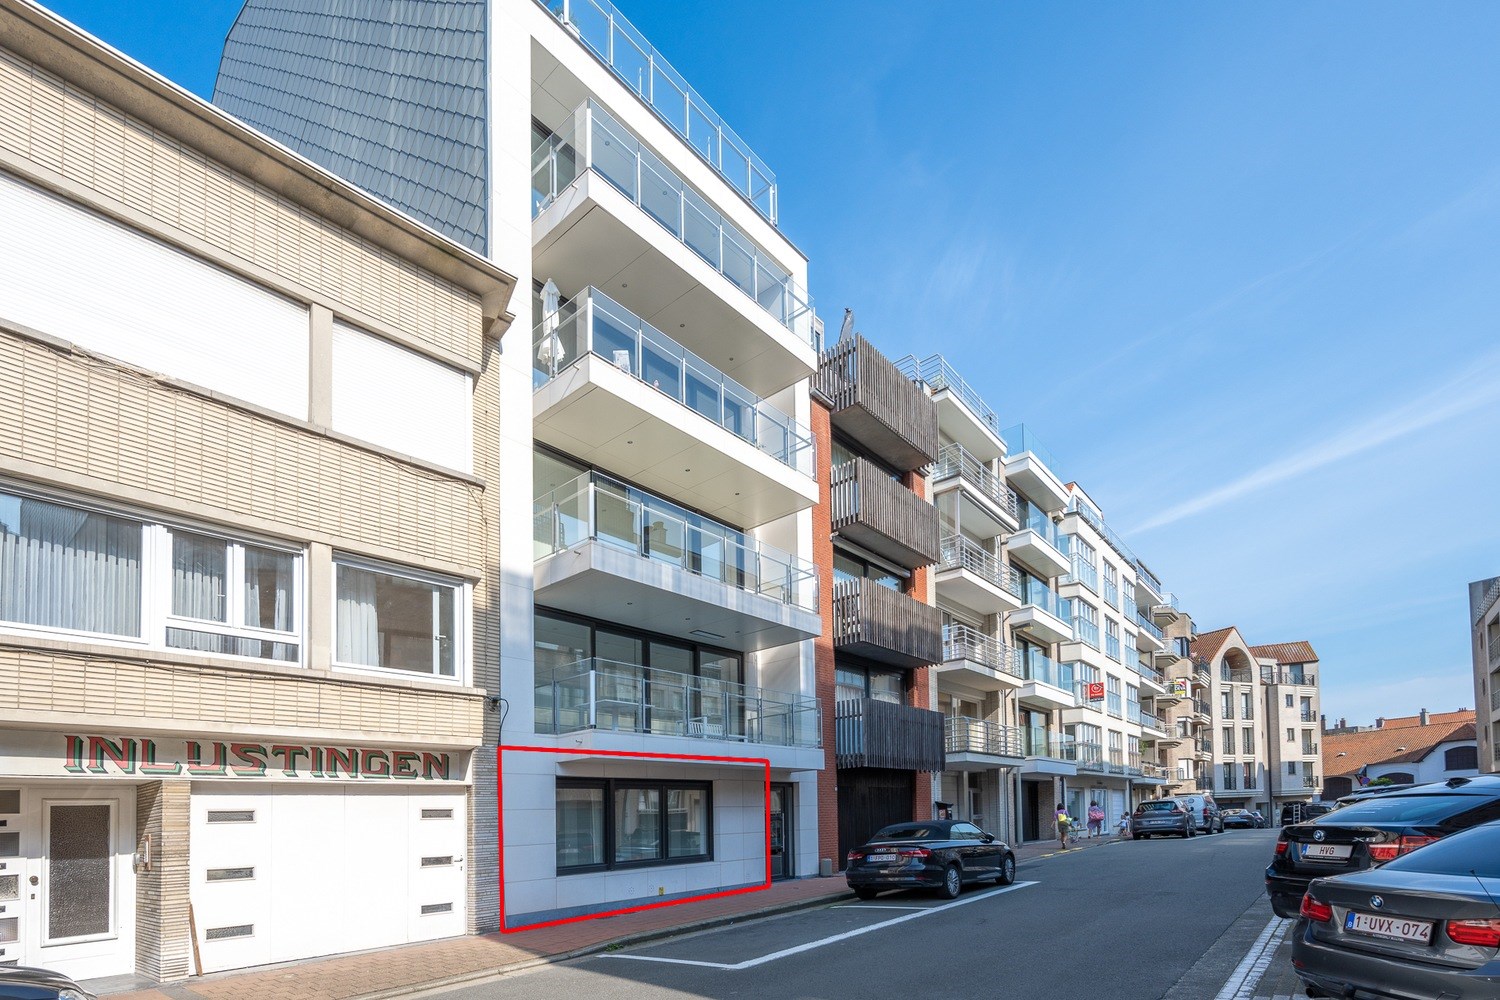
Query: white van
{"type": "Point", "coordinates": [1204, 809]}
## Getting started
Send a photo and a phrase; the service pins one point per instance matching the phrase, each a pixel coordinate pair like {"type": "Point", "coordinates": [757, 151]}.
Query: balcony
{"type": "Point", "coordinates": [975, 578]}
{"type": "Point", "coordinates": [1166, 610]}
{"type": "Point", "coordinates": [876, 512]}
{"type": "Point", "coordinates": [1047, 752]}
{"type": "Point", "coordinates": [1032, 468]}
{"type": "Point", "coordinates": [1152, 723]}
{"type": "Point", "coordinates": [601, 695]}
{"type": "Point", "coordinates": [1171, 736]}
{"type": "Point", "coordinates": [1048, 685]}
{"type": "Point", "coordinates": [610, 551]}
{"type": "Point", "coordinates": [980, 745]}
{"type": "Point", "coordinates": [1201, 710]}
{"type": "Point", "coordinates": [976, 660]}
{"type": "Point", "coordinates": [882, 624]}
{"type": "Point", "coordinates": [877, 406]}
{"type": "Point", "coordinates": [871, 733]}
{"type": "Point", "coordinates": [1309, 716]}
{"type": "Point", "coordinates": [1038, 544]}
{"type": "Point", "coordinates": [987, 506]}
{"type": "Point", "coordinates": [1089, 757]}
{"type": "Point", "coordinates": [1203, 784]}
{"type": "Point", "coordinates": [1155, 774]}
{"type": "Point", "coordinates": [1043, 614]}
{"type": "Point", "coordinates": [1309, 749]}
{"type": "Point", "coordinates": [1200, 677]}
{"type": "Point", "coordinates": [605, 207]}
{"type": "Point", "coordinates": [1301, 678]}
{"type": "Point", "coordinates": [614, 391]}
{"type": "Point", "coordinates": [1148, 637]}
{"type": "Point", "coordinates": [962, 413]}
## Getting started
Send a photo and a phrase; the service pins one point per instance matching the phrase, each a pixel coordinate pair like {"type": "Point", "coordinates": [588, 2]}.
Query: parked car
{"type": "Point", "coordinates": [1206, 810]}
{"type": "Point", "coordinates": [1163, 817]}
{"type": "Point", "coordinates": [19, 982]}
{"type": "Point", "coordinates": [1242, 819]}
{"type": "Point", "coordinates": [1369, 791]}
{"type": "Point", "coordinates": [1423, 925]}
{"type": "Point", "coordinates": [931, 854]}
{"type": "Point", "coordinates": [1372, 832]}
{"type": "Point", "coordinates": [1303, 812]}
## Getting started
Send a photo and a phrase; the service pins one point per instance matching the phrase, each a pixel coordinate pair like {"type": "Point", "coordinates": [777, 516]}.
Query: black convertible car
{"type": "Point", "coordinates": [939, 854]}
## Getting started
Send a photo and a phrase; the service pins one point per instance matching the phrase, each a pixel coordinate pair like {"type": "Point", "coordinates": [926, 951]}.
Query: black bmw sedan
{"type": "Point", "coordinates": [1425, 925]}
{"type": "Point", "coordinates": [1371, 832]}
{"type": "Point", "coordinates": [939, 854]}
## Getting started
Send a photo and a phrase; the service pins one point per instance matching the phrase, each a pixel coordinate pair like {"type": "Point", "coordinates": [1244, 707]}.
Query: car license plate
{"type": "Point", "coordinates": [1394, 928]}
{"type": "Point", "coordinates": [878, 858]}
{"type": "Point", "coordinates": [1325, 852]}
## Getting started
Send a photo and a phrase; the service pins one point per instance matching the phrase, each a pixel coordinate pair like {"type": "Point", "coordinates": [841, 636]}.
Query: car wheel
{"type": "Point", "coordinates": [1143, 836]}
{"type": "Point", "coordinates": [866, 893]}
{"type": "Point", "coordinates": [1007, 870]}
{"type": "Point", "coordinates": [953, 882]}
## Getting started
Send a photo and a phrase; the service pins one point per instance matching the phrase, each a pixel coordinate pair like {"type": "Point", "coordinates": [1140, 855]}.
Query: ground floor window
{"type": "Point", "coordinates": [624, 822]}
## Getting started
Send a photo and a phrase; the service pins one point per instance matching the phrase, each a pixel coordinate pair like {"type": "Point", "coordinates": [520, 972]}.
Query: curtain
{"type": "Point", "coordinates": [68, 568]}
{"type": "Point", "coordinates": [357, 628]}
{"type": "Point", "coordinates": [268, 589]}
{"type": "Point", "coordinates": [199, 578]}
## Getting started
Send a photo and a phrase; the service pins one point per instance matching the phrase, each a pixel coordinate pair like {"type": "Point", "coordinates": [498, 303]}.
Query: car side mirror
{"type": "Point", "coordinates": [989, 838]}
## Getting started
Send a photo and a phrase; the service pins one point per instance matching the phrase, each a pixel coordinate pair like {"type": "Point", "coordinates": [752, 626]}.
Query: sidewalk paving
{"type": "Point", "coordinates": [407, 969]}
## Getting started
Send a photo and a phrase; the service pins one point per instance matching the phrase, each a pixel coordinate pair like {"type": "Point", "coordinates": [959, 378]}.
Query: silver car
{"type": "Point", "coordinates": [1162, 818]}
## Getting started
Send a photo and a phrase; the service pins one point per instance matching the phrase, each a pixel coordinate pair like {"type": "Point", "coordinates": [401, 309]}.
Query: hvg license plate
{"type": "Point", "coordinates": [1395, 928]}
{"type": "Point", "coordinates": [880, 857]}
{"type": "Point", "coordinates": [1325, 852]}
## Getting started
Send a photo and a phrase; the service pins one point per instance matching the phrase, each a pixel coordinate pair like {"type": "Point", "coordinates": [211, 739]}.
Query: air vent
{"type": "Point", "coordinates": [436, 908]}
{"type": "Point", "coordinates": [437, 813]}
{"type": "Point", "coordinates": [226, 933]}
{"type": "Point", "coordinates": [231, 815]}
{"type": "Point", "coordinates": [437, 862]}
{"type": "Point", "coordinates": [230, 874]}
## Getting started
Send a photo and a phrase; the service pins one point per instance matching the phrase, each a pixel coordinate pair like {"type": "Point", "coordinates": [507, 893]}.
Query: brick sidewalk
{"type": "Point", "coordinates": [391, 972]}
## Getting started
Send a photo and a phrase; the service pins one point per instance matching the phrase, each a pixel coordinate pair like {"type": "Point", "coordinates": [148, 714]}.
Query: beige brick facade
{"type": "Point", "coordinates": [163, 942]}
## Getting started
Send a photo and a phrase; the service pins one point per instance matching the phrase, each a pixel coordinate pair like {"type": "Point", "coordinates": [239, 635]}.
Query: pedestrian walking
{"type": "Point", "coordinates": [1064, 825]}
{"type": "Point", "coordinates": [1096, 820]}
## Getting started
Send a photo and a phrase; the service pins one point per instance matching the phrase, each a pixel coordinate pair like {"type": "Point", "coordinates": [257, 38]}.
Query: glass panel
{"type": "Point", "coordinates": [200, 577]}
{"type": "Point", "coordinates": [63, 567]}
{"type": "Point", "coordinates": [580, 827]}
{"type": "Point", "coordinates": [687, 822]}
{"type": "Point", "coordinates": [395, 622]}
{"type": "Point", "coordinates": [10, 930]}
{"type": "Point", "coordinates": [10, 800]}
{"type": "Point", "coordinates": [620, 648]}
{"type": "Point", "coordinates": [78, 871]}
{"type": "Point", "coordinates": [230, 645]}
{"type": "Point", "coordinates": [10, 845]}
{"type": "Point", "coordinates": [268, 588]}
{"type": "Point", "coordinates": [669, 691]}
{"type": "Point", "coordinates": [10, 887]}
{"type": "Point", "coordinates": [637, 824]}
{"type": "Point", "coordinates": [886, 687]}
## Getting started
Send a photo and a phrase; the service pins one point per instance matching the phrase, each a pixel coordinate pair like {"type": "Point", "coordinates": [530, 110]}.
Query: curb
{"type": "Point", "coordinates": [708, 923]}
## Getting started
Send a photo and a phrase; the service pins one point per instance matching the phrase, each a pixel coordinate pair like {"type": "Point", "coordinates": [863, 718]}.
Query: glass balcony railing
{"type": "Point", "coordinates": [630, 698]}
{"type": "Point", "coordinates": [1112, 594]}
{"type": "Point", "coordinates": [959, 552]}
{"type": "Point", "coordinates": [1037, 741]}
{"type": "Point", "coordinates": [1147, 625]}
{"type": "Point", "coordinates": [1112, 647]}
{"type": "Point", "coordinates": [953, 460]}
{"type": "Point", "coordinates": [1086, 632]}
{"type": "Point", "coordinates": [593, 323]}
{"type": "Point", "coordinates": [592, 140]}
{"type": "Point", "coordinates": [964, 642]}
{"type": "Point", "coordinates": [595, 507]}
{"type": "Point", "coordinates": [1033, 517]}
{"type": "Point", "coordinates": [1020, 439]}
{"type": "Point", "coordinates": [617, 43]}
{"type": "Point", "coordinates": [934, 372]}
{"type": "Point", "coordinates": [1088, 756]}
{"type": "Point", "coordinates": [966, 735]}
{"type": "Point", "coordinates": [1039, 667]}
{"type": "Point", "coordinates": [1037, 594]}
{"type": "Point", "coordinates": [1113, 704]}
{"type": "Point", "coordinates": [1083, 572]}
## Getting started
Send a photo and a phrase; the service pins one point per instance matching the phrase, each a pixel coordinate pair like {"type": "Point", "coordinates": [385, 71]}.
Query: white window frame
{"type": "Point", "coordinates": [462, 618]}
{"type": "Point", "coordinates": [156, 584]}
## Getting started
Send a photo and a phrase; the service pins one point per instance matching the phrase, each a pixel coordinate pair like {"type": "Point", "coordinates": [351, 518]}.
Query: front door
{"type": "Point", "coordinates": [67, 892]}
{"type": "Point", "coordinates": [781, 831]}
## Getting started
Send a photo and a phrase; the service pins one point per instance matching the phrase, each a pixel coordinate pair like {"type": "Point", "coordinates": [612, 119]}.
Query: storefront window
{"type": "Point", "coordinates": [645, 823]}
{"type": "Point", "coordinates": [580, 827]}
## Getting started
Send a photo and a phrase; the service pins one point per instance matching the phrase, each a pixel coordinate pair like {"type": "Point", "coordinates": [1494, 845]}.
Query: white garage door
{"type": "Point", "coordinates": [280, 874]}
{"type": "Point", "coordinates": [1116, 809]}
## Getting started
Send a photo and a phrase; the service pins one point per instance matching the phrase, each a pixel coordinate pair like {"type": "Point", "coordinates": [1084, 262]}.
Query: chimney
{"type": "Point", "coordinates": [1423, 716]}
{"type": "Point", "coordinates": [1379, 723]}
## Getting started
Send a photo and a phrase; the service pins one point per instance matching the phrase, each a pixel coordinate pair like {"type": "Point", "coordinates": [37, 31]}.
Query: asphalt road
{"type": "Point", "coordinates": [1121, 922]}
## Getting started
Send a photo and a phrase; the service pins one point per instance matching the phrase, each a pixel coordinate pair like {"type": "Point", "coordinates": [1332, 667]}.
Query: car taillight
{"type": "Point", "coordinates": [855, 856]}
{"type": "Point", "coordinates": [1281, 845]}
{"type": "Point", "coordinates": [1484, 933]}
{"type": "Point", "coordinates": [914, 852]}
{"type": "Point", "coordinates": [1314, 910]}
{"type": "Point", "coordinates": [1381, 853]}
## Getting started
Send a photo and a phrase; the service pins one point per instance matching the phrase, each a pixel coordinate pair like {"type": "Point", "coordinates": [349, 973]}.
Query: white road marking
{"type": "Point", "coordinates": [1247, 975]}
{"type": "Point", "coordinates": [823, 942]}
{"type": "Point", "coordinates": [875, 906]}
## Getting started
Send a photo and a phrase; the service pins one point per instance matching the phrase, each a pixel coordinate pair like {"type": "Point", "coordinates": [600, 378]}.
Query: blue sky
{"type": "Point", "coordinates": [1234, 263]}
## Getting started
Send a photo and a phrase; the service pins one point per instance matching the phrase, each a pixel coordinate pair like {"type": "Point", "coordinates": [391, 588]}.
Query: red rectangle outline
{"type": "Point", "coordinates": [764, 762]}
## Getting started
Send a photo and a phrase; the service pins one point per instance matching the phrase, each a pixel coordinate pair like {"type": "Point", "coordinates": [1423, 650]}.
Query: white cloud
{"type": "Point", "coordinates": [1475, 386]}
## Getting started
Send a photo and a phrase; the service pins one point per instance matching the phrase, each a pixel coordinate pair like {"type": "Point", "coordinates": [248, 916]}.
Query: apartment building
{"type": "Point", "coordinates": [1484, 627]}
{"type": "Point", "coordinates": [878, 432]}
{"type": "Point", "coordinates": [1289, 673]}
{"type": "Point", "coordinates": [661, 597]}
{"type": "Point", "coordinates": [248, 614]}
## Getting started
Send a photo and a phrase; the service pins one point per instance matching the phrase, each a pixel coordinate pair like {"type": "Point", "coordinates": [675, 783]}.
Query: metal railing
{"type": "Point", "coordinates": [964, 642]}
{"type": "Point", "coordinates": [593, 323]}
{"type": "Point", "coordinates": [600, 26]}
{"type": "Point", "coordinates": [594, 141]}
{"type": "Point", "coordinates": [959, 552]}
{"type": "Point", "coordinates": [1088, 756]}
{"type": "Point", "coordinates": [597, 508]}
{"type": "Point", "coordinates": [1308, 749]}
{"type": "Point", "coordinates": [937, 374]}
{"type": "Point", "coordinates": [953, 460]}
{"type": "Point", "coordinates": [1309, 716]}
{"type": "Point", "coordinates": [1201, 707]}
{"type": "Point", "coordinates": [1020, 440]}
{"type": "Point", "coordinates": [627, 697]}
{"type": "Point", "coordinates": [966, 735]}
